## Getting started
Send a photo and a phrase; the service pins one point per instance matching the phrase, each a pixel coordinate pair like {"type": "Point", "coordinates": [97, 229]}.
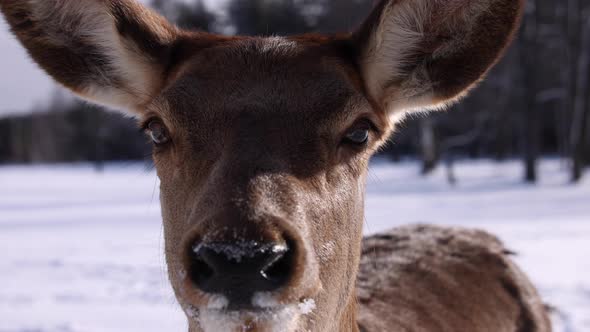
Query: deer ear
{"type": "Point", "coordinates": [112, 52]}
{"type": "Point", "coordinates": [424, 54]}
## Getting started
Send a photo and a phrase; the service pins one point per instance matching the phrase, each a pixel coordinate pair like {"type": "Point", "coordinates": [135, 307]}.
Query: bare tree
{"type": "Point", "coordinates": [266, 17]}
{"type": "Point", "coordinates": [428, 147]}
{"type": "Point", "coordinates": [192, 15]}
{"type": "Point", "coordinates": [579, 124]}
{"type": "Point", "coordinates": [531, 117]}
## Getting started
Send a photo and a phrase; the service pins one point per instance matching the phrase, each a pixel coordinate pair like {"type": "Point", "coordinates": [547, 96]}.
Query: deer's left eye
{"type": "Point", "coordinates": [359, 134]}
{"type": "Point", "coordinates": [157, 132]}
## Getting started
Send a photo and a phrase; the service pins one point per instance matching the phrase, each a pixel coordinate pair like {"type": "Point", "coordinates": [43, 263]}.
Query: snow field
{"type": "Point", "coordinates": [82, 251]}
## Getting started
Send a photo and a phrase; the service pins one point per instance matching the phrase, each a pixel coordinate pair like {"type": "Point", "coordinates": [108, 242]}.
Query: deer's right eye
{"type": "Point", "coordinates": [157, 132]}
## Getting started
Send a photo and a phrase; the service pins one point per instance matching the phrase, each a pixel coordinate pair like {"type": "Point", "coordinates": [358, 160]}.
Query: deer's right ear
{"type": "Point", "coordinates": [424, 54]}
{"type": "Point", "coordinates": [112, 52]}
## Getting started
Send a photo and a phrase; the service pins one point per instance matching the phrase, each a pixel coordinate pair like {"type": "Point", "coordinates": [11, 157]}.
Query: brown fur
{"type": "Point", "coordinates": [257, 150]}
{"type": "Point", "coordinates": [427, 278]}
{"type": "Point", "coordinates": [89, 45]}
{"type": "Point", "coordinates": [445, 48]}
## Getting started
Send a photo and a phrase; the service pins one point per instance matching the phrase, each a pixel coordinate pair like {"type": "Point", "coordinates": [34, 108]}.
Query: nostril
{"type": "Point", "coordinates": [200, 271]}
{"type": "Point", "coordinates": [278, 267]}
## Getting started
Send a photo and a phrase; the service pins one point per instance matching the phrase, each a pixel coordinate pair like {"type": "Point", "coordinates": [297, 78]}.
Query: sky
{"type": "Point", "coordinates": [22, 83]}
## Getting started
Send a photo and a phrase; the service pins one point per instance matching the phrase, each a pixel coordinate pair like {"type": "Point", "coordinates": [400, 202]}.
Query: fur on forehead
{"type": "Point", "coordinates": [303, 53]}
{"type": "Point", "coordinates": [264, 73]}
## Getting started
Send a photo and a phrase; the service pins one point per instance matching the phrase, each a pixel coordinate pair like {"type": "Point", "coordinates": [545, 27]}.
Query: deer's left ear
{"type": "Point", "coordinates": [423, 54]}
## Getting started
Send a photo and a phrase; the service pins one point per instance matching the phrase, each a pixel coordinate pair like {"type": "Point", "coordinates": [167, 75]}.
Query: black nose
{"type": "Point", "coordinates": [238, 270]}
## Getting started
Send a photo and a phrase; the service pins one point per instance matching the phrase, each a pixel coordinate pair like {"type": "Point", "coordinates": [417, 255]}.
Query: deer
{"type": "Point", "coordinates": [262, 148]}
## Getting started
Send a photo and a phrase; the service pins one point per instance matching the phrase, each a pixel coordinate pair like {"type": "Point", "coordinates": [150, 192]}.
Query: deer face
{"type": "Point", "coordinates": [261, 144]}
{"type": "Point", "coordinates": [262, 190]}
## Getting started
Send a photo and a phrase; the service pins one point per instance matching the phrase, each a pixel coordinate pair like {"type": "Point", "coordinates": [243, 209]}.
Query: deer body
{"type": "Point", "coordinates": [426, 278]}
{"type": "Point", "coordinates": [262, 147]}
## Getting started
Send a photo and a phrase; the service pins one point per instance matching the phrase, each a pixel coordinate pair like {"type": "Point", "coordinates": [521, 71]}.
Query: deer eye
{"type": "Point", "coordinates": [157, 132]}
{"type": "Point", "coordinates": [359, 134]}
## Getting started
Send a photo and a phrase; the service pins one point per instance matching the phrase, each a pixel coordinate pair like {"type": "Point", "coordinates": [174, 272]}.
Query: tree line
{"type": "Point", "coordinates": [535, 102]}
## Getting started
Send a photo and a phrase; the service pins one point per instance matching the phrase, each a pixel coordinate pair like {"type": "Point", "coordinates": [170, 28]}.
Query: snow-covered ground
{"type": "Point", "coordinates": [81, 251]}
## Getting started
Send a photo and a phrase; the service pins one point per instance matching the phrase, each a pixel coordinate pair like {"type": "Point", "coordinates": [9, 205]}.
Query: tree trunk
{"type": "Point", "coordinates": [427, 145]}
{"type": "Point", "coordinates": [573, 42]}
{"type": "Point", "coordinates": [580, 114]}
{"type": "Point", "coordinates": [531, 117]}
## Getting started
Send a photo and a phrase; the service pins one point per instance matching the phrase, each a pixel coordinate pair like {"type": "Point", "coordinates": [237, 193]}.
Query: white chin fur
{"type": "Point", "coordinates": [280, 320]}
{"type": "Point", "coordinates": [271, 318]}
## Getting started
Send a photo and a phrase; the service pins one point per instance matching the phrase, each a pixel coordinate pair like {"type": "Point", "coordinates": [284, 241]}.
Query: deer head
{"type": "Point", "coordinates": [262, 144]}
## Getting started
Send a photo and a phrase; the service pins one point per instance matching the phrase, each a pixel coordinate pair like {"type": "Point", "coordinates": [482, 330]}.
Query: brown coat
{"type": "Point", "coordinates": [427, 278]}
